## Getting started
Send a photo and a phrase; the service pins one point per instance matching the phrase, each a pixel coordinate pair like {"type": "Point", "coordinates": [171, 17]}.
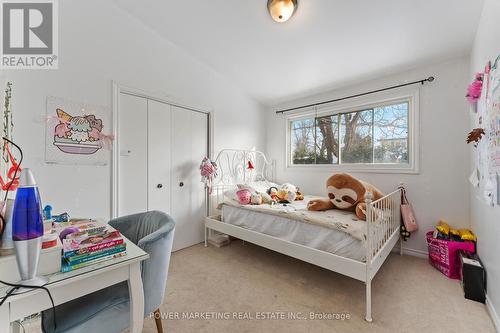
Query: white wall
{"type": "Point", "coordinates": [440, 190]}
{"type": "Point", "coordinates": [485, 219]}
{"type": "Point", "coordinates": [100, 42]}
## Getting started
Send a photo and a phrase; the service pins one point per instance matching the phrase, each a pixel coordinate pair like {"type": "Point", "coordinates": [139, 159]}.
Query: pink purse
{"type": "Point", "coordinates": [407, 213]}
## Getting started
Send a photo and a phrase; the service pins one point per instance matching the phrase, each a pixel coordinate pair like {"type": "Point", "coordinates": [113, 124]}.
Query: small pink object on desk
{"type": "Point", "coordinates": [443, 254]}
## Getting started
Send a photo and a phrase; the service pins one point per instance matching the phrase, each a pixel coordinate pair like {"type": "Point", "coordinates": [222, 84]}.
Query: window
{"type": "Point", "coordinates": [375, 137]}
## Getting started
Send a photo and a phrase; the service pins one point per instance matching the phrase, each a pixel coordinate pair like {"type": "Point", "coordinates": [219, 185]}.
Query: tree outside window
{"type": "Point", "coordinates": [377, 135]}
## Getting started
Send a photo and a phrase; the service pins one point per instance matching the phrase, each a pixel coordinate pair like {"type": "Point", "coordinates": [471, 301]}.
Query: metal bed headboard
{"type": "Point", "coordinates": [238, 166]}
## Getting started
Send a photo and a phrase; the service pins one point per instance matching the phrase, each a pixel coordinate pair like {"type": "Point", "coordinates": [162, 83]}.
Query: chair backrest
{"type": "Point", "coordinates": [154, 233]}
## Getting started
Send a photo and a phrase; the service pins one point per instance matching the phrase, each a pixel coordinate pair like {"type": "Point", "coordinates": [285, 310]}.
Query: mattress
{"type": "Point", "coordinates": [292, 230]}
{"type": "Point", "coordinates": [340, 220]}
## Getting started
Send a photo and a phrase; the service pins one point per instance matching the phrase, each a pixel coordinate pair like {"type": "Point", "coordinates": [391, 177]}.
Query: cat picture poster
{"type": "Point", "coordinates": [77, 133]}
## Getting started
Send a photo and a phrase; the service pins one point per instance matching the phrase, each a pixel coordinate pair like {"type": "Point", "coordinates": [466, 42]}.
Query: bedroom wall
{"type": "Point", "coordinates": [100, 42]}
{"type": "Point", "coordinates": [486, 219]}
{"type": "Point", "coordinates": [440, 190]}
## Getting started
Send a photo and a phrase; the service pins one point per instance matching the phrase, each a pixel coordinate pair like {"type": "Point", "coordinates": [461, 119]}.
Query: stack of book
{"type": "Point", "coordinates": [87, 242]}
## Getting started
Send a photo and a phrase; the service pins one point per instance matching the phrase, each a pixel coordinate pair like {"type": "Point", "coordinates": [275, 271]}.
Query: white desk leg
{"type": "Point", "coordinates": [136, 293]}
{"type": "Point", "coordinates": [4, 318]}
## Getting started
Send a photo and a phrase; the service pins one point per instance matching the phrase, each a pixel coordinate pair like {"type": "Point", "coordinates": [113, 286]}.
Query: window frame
{"type": "Point", "coordinates": [410, 95]}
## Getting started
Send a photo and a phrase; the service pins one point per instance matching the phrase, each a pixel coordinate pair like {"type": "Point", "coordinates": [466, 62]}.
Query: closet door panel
{"type": "Point", "coordinates": [182, 169]}
{"type": "Point", "coordinates": [159, 156]}
{"type": "Point", "coordinates": [199, 149]}
{"type": "Point", "coordinates": [189, 145]}
{"type": "Point", "coordinates": [133, 147]}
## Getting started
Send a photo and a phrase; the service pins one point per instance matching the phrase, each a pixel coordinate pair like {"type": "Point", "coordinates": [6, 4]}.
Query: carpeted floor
{"type": "Point", "coordinates": [249, 281]}
{"type": "Point", "coordinates": [254, 283]}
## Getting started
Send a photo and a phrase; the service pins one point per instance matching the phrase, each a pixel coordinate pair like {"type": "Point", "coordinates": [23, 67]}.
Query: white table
{"type": "Point", "coordinates": [65, 287]}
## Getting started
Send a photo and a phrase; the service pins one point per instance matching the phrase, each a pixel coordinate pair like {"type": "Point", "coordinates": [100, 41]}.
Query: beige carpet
{"type": "Point", "coordinates": [408, 295]}
{"type": "Point", "coordinates": [244, 279]}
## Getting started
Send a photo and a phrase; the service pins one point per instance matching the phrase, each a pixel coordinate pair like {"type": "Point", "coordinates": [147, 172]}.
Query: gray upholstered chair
{"type": "Point", "coordinates": [107, 310]}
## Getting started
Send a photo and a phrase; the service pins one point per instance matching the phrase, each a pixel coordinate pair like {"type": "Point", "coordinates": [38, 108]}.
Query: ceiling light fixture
{"type": "Point", "coordinates": [281, 10]}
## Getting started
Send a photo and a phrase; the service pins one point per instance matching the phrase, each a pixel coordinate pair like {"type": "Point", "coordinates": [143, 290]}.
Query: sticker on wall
{"type": "Point", "coordinates": [76, 133]}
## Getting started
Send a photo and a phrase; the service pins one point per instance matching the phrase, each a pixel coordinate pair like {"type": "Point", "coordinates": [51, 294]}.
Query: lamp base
{"type": "Point", "coordinates": [27, 256]}
{"type": "Point", "coordinates": [37, 281]}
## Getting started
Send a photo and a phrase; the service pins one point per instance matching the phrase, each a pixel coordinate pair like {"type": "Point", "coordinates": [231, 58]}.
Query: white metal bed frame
{"type": "Point", "coordinates": [383, 222]}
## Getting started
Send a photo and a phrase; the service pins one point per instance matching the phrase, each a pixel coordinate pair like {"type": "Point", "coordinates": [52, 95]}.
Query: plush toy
{"type": "Point", "coordinates": [347, 193]}
{"type": "Point", "coordinates": [256, 199]}
{"type": "Point", "coordinates": [299, 196]}
{"type": "Point", "coordinates": [286, 196]}
{"type": "Point", "coordinates": [244, 196]}
{"type": "Point", "coordinates": [288, 187]}
{"type": "Point", "coordinates": [286, 193]}
{"type": "Point", "coordinates": [273, 193]}
{"type": "Point", "coordinates": [266, 198]}
{"type": "Point", "coordinates": [292, 188]}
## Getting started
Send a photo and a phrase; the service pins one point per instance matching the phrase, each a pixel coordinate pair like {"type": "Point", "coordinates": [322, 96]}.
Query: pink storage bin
{"type": "Point", "coordinates": [443, 254]}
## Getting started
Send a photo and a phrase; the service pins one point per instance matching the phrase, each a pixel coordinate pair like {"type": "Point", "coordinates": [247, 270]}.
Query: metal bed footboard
{"type": "Point", "coordinates": [383, 220]}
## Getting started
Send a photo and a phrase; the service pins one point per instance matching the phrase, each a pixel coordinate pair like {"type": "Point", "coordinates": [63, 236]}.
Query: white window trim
{"type": "Point", "coordinates": [411, 94]}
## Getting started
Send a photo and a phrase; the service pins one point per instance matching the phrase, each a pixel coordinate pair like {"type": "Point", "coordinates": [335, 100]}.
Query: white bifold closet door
{"type": "Point", "coordinates": [133, 155]}
{"type": "Point", "coordinates": [159, 156]}
{"type": "Point", "coordinates": [161, 147]}
{"type": "Point", "coordinates": [189, 146]}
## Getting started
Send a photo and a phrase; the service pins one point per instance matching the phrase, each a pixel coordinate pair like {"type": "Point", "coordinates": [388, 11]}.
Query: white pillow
{"type": "Point", "coordinates": [231, 194]}
{"type": "Point", "coordinates": [260, 186]}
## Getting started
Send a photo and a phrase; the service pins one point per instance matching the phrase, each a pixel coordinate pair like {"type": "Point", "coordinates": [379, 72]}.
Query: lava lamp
{"type": "Point", "coordinates": [27, 229]}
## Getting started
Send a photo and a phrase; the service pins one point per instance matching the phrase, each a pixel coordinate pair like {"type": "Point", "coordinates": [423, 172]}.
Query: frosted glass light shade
{"type": "Point", "coordinates": [281, 10]}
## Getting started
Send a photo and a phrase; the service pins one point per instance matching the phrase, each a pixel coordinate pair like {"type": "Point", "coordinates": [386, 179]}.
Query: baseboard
{"type": "Point", "coordinates": [412, 252]}
{"type": "Point", "coordinates": [493, 314]}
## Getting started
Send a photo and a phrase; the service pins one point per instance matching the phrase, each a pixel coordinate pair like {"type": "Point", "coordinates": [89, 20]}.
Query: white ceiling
{"type": "Point", "coordinates": [327, 43]}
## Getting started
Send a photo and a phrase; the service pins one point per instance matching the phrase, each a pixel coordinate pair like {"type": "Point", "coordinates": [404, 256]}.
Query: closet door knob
{"type": "Point", "coordinates": [181, 184]}
{"type": "Point", "coordinates": [159, 186]}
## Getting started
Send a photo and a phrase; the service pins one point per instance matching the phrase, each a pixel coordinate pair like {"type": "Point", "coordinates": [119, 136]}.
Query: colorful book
{"type": "Point", "coordinates": [86, 235]}
{"type": "Point", "coordinates": [84, 225]}
{"type": "Point", "coordinates": [66, 267]}
{"type": "Point", "coordinates": [109, 243]}
{"type": "Point", "coordinates": [95, 255]}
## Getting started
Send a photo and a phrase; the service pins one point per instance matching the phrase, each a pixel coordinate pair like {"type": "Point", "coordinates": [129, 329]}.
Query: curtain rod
{"type": "Point", "coordinates": [429, 79]}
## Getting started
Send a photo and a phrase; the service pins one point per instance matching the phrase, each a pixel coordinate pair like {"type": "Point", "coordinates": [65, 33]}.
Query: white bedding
{"type": "Point", "coordinates": [307, 234]}
{"type": "Point", "coordinates": [340, 220]}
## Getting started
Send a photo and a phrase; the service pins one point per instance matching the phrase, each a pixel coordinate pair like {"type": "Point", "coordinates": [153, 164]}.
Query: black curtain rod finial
{"type": "Point", "coordinates": [430, 78]}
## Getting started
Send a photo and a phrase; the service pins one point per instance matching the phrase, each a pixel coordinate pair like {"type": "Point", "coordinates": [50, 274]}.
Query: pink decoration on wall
{"type": "Point", "coordinates": [77, 133]}
{"type": "Point", "coordinates": [474, 89]}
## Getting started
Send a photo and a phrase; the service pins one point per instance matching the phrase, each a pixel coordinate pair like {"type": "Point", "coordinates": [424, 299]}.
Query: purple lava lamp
{"type": "Point", "coordinates": [27, 229]}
